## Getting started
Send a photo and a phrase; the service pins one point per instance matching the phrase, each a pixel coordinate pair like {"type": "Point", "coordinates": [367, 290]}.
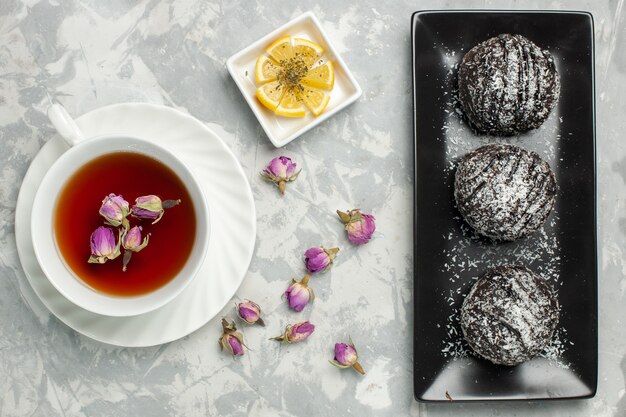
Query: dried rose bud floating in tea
{"type": "Point", "coordinates": [78, 214]}
{"type": "Point", "coordinates": [105, 245]}
{"type": "Point", "coordinates": [114, 209]}
{"type": "Point", "coordinates": [132, 242]}
{"type": "Point", "coordinates": [150, 207]}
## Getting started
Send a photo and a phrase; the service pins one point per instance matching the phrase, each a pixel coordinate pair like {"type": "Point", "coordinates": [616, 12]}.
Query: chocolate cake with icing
{"type": "Point", "coordinates": [507, 85]}
{"type": "Point", "coordinates": [503, 191]}
{"type": "Point", "coordinates": [509, 315]}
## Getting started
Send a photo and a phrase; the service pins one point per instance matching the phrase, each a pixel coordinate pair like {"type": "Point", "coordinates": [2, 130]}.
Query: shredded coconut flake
{"type": "Point", "coordinates": [541, 252]}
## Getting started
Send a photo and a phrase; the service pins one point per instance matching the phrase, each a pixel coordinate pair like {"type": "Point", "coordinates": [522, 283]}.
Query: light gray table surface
{"type": "Point", "coordinates": [91, 53]}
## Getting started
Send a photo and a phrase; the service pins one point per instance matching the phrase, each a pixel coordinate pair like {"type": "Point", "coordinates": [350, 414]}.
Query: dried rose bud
{"type": "Point", "coordinates": [346, 356]}
{"type": "Point", "coordinates": [131, 242]}
{"type": "Point", "coordinates": [360, 226]}
{"type": "Point", "coordinates": [235, 345]}
{"type": "Point", "coordinates": [318, 259]}
{"type": "Point", "coordinates": [250, 312]}
{"type": "Point", "coordinates": [296, 333]}
{"type": "Point", "coordinates": [299, 294]}
{"type": "Point", "coordinates": [231, 339]}
{"type": "Point", "coordinates": [104, 245]}
{"type": "Point", "coordinates": [280, 171]}
{"type": "Point", "coordinates": [132, 239]}
{"type": "Point", "coordinates": [114, 209]}
{"type": "Point", "coordinates": [150, 207]}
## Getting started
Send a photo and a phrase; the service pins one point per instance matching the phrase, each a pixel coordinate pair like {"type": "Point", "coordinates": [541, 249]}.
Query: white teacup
{"type": "Point", "coordinates": [83, 150]}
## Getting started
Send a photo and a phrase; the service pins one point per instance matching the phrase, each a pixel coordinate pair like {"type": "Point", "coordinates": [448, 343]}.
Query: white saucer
{"type": "Point", "coordinates": [233, 226]}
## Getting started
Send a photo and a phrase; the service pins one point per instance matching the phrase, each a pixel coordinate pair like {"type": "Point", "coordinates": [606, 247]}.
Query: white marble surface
{"type": "Point", "coordinates": [91, 53]}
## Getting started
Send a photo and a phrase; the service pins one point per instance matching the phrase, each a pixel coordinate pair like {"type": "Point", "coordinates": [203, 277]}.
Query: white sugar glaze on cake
{"type": "Point", "coordinates": [507, 85]}
{"type": "Point", "coordinates": [503, 191]}
{"type": "Point", "coordinates": [509, 315]}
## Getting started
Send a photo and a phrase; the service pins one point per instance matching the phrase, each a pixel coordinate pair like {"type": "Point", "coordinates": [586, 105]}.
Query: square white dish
{"type": "Point", "coordinates": [282, 130]}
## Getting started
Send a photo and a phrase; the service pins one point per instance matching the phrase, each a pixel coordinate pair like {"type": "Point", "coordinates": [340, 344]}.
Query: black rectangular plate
{"type": "Point", "coordinates": [449, 257]}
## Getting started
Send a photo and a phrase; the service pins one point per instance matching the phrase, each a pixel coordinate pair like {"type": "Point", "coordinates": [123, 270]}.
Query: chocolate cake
{"type": "Point", "coordinates": [507, 85]}
{"type": "Point", "coordinates": [509, 315]}
{"type": "Point", "coordinates": [503, 191]}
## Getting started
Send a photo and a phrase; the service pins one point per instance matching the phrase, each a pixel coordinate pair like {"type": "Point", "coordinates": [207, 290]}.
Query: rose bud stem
{"type": "Point", "coordinates": [357, 367]}
{"type": "Point", "coordinates": [332, 251]}
{"type": "Point", "coordinates": [345, 217]}
{"type": "Point", "coordinates": [170, 203]}
{"type": "Point", "coordinates": [305, 279]}
{"type": "Point", "coordinates": [126, 259]}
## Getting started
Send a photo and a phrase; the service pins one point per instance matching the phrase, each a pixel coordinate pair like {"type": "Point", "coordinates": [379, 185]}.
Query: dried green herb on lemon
{"type": "Point", "coordinates": [293, 77]}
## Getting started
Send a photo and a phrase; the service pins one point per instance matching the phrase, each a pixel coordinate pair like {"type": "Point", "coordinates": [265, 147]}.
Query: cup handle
{"type": "Point", "coordinates": [64, 124]}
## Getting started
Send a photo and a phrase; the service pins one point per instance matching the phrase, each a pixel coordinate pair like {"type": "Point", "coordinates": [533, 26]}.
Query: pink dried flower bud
{"type": "Point", "coordinates": [231, 339]}
{"type": "Point", "coordinates": [131, 241]}
{"type": "Point", "coordinates": [103, 245]}
{"type": "Point", "coordinates": [280, 171]}
{"type": "Point", "coordinates": [250, 312]}
{"type": "Point", "coordinates": [360, 226]}
{"type": "Point", "coordinates": [235, 345]}
{"type": "Point", "coordinates": [296, 333]}
{"type": "Point", "coordinates": [318, 259]}
{"type": "Point", "coordinates": [114, 209]}
{"type": "Point", "coordinates": [150, 207]}
{"type": "Point", "coordinates": [299, 294]}
{"type": "Point", "coordinates": [346, 356]}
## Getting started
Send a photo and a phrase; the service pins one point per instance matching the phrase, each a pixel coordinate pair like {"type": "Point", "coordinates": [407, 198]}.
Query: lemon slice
{"type": "Point", "coordinates": [269, 94]}
{"type": "Point", "coordinates": [266, 69]}
{"type": "Point", "coordinates": [316, 100]}
{"type": "Point", "coordinates": [281, 49]}
{"type": "Point", "coordinates": [321, 77]}
{"type": "Point", "coordinates": [307, 50]}
{"type": "Point", "coordinates": [290, 83]}
{"type": "Point", "coordinates": [290, 106]}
